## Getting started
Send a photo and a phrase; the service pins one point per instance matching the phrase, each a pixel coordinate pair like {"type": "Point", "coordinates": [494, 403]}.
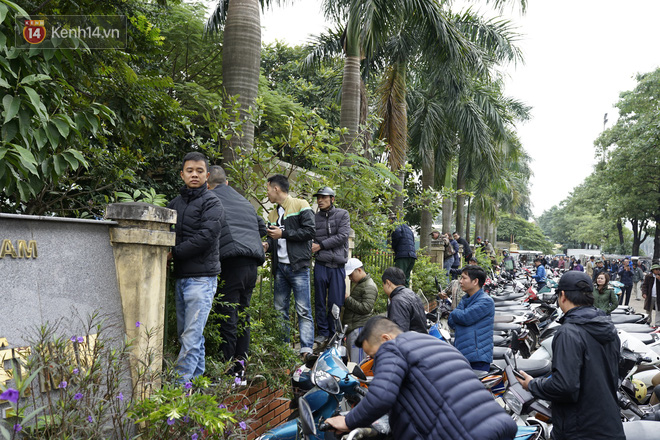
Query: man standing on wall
{"type": "Point", "coordinates": [241, 253]}
{"type": "Point", "coordinates": [196, 262]}
{"type": "Point", "coordinates": [403, 245]}
{"type": "Point", "coordinates": [330, 246]}
{"type": "Point", "coordinates": [467, 250]}
{"type": "Point", "coordinates": [291, 228]}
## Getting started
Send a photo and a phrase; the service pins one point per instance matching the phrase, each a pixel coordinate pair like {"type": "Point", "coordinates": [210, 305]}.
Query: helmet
{"type": "Point", "coordinates": [325, 191]}
{"type": "Point", "coordinates": [640, 390]}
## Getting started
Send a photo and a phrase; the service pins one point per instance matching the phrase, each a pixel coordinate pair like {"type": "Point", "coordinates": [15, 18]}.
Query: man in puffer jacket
{"type": "Point", "coordinates": [427, 387]}
{"type": "Point", "coordinates": [196, 262]}
{"type": "Point", "coordinates": [473, 320]}
{"type": "Point", "coordinates": [403, 245]}
{"type": "Point", "coordinates": [585, 367]}
{"type": "Point", "coordinates": [404, 307]}
{"type": "Point", "coordinates": [330, 246]}
{"type": "Point", "coordinates": [241, 253]}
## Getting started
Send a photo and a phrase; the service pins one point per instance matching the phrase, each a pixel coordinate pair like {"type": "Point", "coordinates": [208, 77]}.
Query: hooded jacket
{"type": "Point", "coordinates": [242, 228]}
{"type": "Point", "coordinates": [403, 242]}
{"type": "Point", "coordinates": [198, 224]}
{"type": "Point", "coordinates": [406, 309]}
{"type": "Point", "coordinates": [332, 230]}
{"type": "Point", "coordinates": [430, 392]}
{"type": "Point", "coordinates": [298, 231]}
{"type": "Point", "coordinates": [584, 380]}
{"type": "Point", "coordinates": [473, 320]}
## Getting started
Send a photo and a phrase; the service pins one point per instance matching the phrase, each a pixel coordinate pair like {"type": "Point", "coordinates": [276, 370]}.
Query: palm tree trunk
{"type": "Point", "coordinates": [460, 201]}
{"type": "Point", "coordinates": [349, 117]}
{"type": "Point", "coordinates": [467, 220]}
{"type": "Point", "coordinates": [428, 177]}
{"type": "Point", "coordinates": [397, 204]}
{"type": "Point", "coordinates": [240, 68]}
{"type": "Point", "coordinates": [447, 202]}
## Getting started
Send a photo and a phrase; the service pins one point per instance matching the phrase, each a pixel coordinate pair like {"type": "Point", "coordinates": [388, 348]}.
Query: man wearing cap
{"type": "Point", "coordinates": [358, 305]}
{"type": "Point", "coordinates": [330, 247]}
{"type": "Point", "coordinates": [650, 289]}
{"type": "Point", "coordinates": [600, 268]}
{"type": "Point", "coordinates": [480, 243]}
{"type": "Point", "coordinates": [435, 235]}
{"type": "Point", "coordinates": [585, 366]}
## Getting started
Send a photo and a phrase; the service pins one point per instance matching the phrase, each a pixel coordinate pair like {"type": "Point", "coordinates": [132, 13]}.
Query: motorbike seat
{"type": "Point", "coordinates": [533, 367]}
{"type": "Point", "coordinates": [634, 328]}
{"type": "Point", "coordinates": [508, 303]}
{"type": "Point", "coordinates": [506, 326]}
{"type": "Point", "coordinates": [499, 352]}
{"type": "Point", "coordinates": [499, 340]}
{"type": "Point", "coordinates": [623, 319]}
{"type": "Point", "coordinates": [503, 317]}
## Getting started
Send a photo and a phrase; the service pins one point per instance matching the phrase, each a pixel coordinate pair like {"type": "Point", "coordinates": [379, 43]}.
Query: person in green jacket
{"type": "Point", "coordinates": [358, 306]}
{"type": "Point", "coordinates": [604, 298]}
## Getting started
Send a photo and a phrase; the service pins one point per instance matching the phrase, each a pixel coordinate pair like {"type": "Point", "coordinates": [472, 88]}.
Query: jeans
{"type": "Point", "coordinates": [331, 283]}
{"type": "Point", "coordinates": [406, 264]}
{"type": "Point", "coordinates": [193, 297]}
{"type": "Point", "coordinates": [355, 354]}
{"type": "Point", "coordinates": [239, 281]}
{"type": "Point", "coordinates": [625, 291]}
{"type": "Point", "coordinates": [449, 261]}
{"type": "Point", "coordinates": [286, 279]}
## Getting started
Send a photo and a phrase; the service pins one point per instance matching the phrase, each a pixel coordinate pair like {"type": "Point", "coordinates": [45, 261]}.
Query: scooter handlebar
{"type": "Point", "coordinates": [323, 426]}
{"type": "Point", "coordinates": [360, 390]}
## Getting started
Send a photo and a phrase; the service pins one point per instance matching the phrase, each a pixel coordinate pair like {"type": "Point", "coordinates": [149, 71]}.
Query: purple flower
{"type": "Point", "coordinates": [63, 384]}
{"type": "Point", "coordinates": [243, 425]}
{"type": "Point", "coordinates": [137, 324]}
{"type": "Point", "coordinates": [90, 419]}
{"type": "Point", "coordinates": [78, 396]}
{"type": "Point", "coordinates": [188, 385]}
{"type": "Point", "coordinates": [221, 406]}
{"type": "Point", "coordinates": [170, 422]}
{"type": "Point", "coordinates": [76, 371]}
{"type": "Point", "coordinates": [81, 339]}
{"type": "Point", "coordinates": [17, 427]}
{"type": "Point", "coordinates": [242, 362]}
{"type": "Point", "coordinates": [245, 408]}
{"type": "Point", "coordinates": [120, 397]}
{"type": "Point", "coordinates": [186, 419]}
{"type": "Point", "coordinates": [10, 395]}
{"type": "Point", "coordinates": [74, 338]}
{"type": "Point", "coordinates": [237, 380]}
{"type": "Point", "coordinates": [194, 436]}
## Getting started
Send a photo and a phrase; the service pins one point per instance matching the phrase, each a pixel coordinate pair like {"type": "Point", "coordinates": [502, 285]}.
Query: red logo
{"type": "Point", "coordinates": [34, 31]}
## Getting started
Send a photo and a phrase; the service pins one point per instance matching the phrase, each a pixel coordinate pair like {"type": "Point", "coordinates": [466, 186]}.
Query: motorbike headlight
{"type": "Point", "coordinates": [513, 402]}
{"type": "Point", "coordinates": [326, 381]}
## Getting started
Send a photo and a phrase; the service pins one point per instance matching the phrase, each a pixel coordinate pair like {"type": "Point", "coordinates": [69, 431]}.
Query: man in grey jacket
{"type": "Point", "coordinates": [404, 307]}
{"type": "Point", "coordinates": [241, 253]}
{"type": "Point", "coordinates": [330, 247]}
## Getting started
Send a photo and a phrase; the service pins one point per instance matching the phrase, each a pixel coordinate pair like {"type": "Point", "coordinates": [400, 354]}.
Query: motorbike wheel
{"type": "Point", "coordinates": [533, 340]}
{"type": "Point", "coordinates": [524, 350]}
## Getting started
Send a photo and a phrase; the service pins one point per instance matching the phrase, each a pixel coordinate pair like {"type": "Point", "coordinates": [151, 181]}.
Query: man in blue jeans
{"type": "Point", "coordinates": [291, 228]}
{"type": "Point", "coordinates": [196, 262]}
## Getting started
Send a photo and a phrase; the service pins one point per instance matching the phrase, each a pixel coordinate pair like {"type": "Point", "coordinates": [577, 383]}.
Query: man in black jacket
{"type": "Point", "coordinates": [196, 262]}
{"type": "Point", "coordinates": [241, 253]}
{"type": "Point", "coordinates": [403, 245]}
{"type": "Point", "coordinates": [404, 308]}
{"type": "Point", "coordinates": [467, 250]}
{"type": "Point", "coordinates": [291, 228]}
{"type": "Point", "coordinates": [330, 246]}
{"type": "Point", "coordinates": [427, 387]}
{"type": "Point", "coordinates": [585, 366]}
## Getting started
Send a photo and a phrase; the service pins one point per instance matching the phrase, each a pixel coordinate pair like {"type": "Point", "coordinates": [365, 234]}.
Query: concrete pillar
{"type": "Point", "coordinates": [140, 243]}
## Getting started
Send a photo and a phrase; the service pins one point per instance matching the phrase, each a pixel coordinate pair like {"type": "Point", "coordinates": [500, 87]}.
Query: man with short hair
{"type": "Point", "coordinates": [585, 367]}
{"type": "Point", "coordinates": [650, 289]}
{"type": "Point", "coordinates": [467, 250]}
{"type": "Point", "coordinates": [426, 387]}
{"type": "Point", "coordinates": [638, 277]}
{"type": "Point", "coordinates": [540, 275]}
{"type": "Point", "coordinates": [196, 262]}
{"type": "Point", "coordinates": [473, 320]}
{"type": "Point", "coordinates": [600, 268]}
{"type": "Point", "coordinates": [241, 253]}
{"type": "Point", "coordinates": [589, 268]}
{"type": "Point", "coordinates": [403, 245]}
{"type": "Point", "coordinates": [291, 228]}
{"type": "Point", "coordinates": [404, 308]}
{"type": "Point", "coordinates": [358, 306]}
{"type": "Point", "coordinates": [330, 246]}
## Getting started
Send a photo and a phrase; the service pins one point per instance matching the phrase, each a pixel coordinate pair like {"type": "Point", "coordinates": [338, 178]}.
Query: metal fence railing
{"type": "Point", "coordinates": [376, 259]}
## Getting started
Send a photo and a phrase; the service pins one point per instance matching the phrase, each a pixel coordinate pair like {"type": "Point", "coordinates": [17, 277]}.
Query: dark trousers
{"type": "Point", "coordinates": [330, 284]}
{"type": "Point", "coordinates": [237, 280]}
{"type": "Point", "coordinates": [625, 290]}
{"type": "Point", "coordinates": [406, 264]}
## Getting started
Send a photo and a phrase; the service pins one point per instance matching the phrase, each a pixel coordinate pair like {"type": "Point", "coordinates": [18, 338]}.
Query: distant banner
{"type": "Point", "coordinates": [71, 32]}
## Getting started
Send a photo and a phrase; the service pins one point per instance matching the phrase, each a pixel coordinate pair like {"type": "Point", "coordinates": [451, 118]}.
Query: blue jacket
{"type": "Point", "coordinates": [473, 321]}
{"type": "Point", "coordinates": [430, 392]}
{"type": "Point", "coordinates": [403, 242]}
{"type": "Point", "coordinates": [540, 274]}
{"type": "Point", "coordinates": [626, 277]}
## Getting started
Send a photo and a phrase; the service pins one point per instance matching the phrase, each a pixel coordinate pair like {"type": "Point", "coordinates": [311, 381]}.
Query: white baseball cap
{"type": "Point", "coordinates": [351, 265]}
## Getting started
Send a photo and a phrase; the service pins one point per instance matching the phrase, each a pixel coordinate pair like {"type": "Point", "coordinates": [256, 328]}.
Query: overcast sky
{"type": "Point", "coordinates": [579, 55]}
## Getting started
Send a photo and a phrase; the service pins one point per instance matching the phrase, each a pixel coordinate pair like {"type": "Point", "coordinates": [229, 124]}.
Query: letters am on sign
{"type": "Point", "coordinates": [23, 249]}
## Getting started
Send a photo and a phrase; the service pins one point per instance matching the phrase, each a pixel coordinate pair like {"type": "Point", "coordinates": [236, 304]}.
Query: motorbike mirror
{"type": "Point", "coordinates": [357, 372]}
{"type": "Point", "coordinates": [515, 343]}
{"type": "Point", "coordinates": [306, 419]}
{"type": "Point", "coordinates": [335, 311]}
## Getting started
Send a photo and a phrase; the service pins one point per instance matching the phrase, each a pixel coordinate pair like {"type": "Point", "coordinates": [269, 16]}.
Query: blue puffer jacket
{"type": "Point", "coordinates": [430, 392]}
{"type": "Point", "coordinates": [403, 242]}
{"type": "Point", "coordinates": [473, 321]}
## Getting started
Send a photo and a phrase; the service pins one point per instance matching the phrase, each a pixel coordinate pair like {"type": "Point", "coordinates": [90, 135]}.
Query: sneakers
{"type": "Point", "coordinates": [320, 339]}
